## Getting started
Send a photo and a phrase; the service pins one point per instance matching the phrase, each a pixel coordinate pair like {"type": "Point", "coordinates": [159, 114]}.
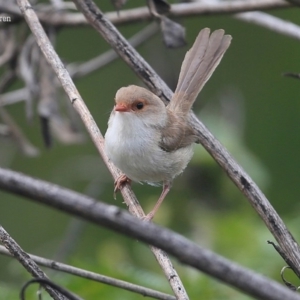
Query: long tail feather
{"type": "Point", "coordinates": [198, 65]}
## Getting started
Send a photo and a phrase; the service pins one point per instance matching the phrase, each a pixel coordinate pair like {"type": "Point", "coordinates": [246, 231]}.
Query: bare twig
{"type": "Point", "coordinates": [8, 45]}
{"type": "Point", "coordinates": [49, 283]}
{"type": "Point", "coordinates": [80, 70]}
{"type": "Point", "coordinates": [96, 135]}
{"type": "Point", "coordinates": [28, 65]}
{"type": "Point", "coordinates": [13, 97]}
{"type": "Point", "coordinates": [94, 276]}
{"type": "Point", "coordinates": [120, 221]}
{"type": "Point", "coordinates": [12, 128]}
{"type": "Point", "coordinates": [16, 132]}
{"type": "Point", "coordinates": [271, 22]}
{"type": "Point", "coordinates": [59, 18]}
{"type": "Point", "coordinates": [26, 261]}
{"type": "Point", "coordinates": [138, 14]}
{"type": "Point", "coordinates": [292, 75]}
{"type": "Point", "coordinates": [198, 8]}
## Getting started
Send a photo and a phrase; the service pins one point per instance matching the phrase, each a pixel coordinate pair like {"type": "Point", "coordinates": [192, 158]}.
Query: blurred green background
{"type": "Point", "coordinates": [247, 104]}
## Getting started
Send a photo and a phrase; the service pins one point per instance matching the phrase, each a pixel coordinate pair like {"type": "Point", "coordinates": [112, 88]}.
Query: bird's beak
{"type": "Point", "coordinates": [121, 107]}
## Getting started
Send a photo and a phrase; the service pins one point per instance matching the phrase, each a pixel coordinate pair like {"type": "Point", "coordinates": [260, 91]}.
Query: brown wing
{"type": "Point", "coordinates": [176, 134]}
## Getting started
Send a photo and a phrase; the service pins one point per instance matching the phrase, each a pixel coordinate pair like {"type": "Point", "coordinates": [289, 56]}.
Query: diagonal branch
{"type": "Point", "coordinates": [91, 126]}
{"type": "Point", "coordinates": [16, 251]}
{"type": "Point", "coordinates": [235, 172]}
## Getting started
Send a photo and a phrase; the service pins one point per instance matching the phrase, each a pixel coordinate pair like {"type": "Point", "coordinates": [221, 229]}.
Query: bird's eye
{"type": "Point", "coordinates": [139, 105]}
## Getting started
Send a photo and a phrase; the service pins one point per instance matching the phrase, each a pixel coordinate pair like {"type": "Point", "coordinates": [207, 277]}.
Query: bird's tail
{"type": "Point", "coordinates": [198, 65]}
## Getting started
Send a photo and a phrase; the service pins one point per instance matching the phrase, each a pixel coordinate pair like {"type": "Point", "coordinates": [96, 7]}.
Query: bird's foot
{"type": "Point", "coordinates": [166, 189]}
{"type": "Point", "coordinates": [120, 182]}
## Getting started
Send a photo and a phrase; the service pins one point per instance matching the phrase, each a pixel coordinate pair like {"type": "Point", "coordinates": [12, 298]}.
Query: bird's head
{"type": "Point", "coordinates": [139, 102]}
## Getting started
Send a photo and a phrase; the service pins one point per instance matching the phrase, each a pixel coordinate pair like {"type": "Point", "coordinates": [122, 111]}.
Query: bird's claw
{"type": "Point", "coordinates": [120, 182]}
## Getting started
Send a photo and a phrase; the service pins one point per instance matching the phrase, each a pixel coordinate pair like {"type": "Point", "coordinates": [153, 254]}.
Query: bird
{"type": "Point", "coordinates": [153, 143]}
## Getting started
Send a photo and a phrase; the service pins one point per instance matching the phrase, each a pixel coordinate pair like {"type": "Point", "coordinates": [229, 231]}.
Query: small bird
{"type": "Point", "coordinates": [151, 142]}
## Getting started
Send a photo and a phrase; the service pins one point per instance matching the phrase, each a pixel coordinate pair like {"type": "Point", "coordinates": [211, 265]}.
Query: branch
{"type": "Point", "coordinates": [13, 129]}
{"type": "Point", "coordinates": [77, 70]}
{"type": "Point", "coordinates": [240, 178]}
{"type": "Point", "coordinates": [16, 251]}
{"type": "Point", "coordinates": [61, 18]}
{"type": "Point", "coordinates": [15, 96]}
{"type": "Point", "coordinates": [91, 126]}
{"type": "Point", "coordinates": [120, 221]}
{"type": "Point", "coordinates": [80, 70]}
{"type": "Point", "coordinates": [270, 22]}
{"type": "Point", "coordinates": [94, 276]}
{"type": "Point", "coordinates": [198, 8]}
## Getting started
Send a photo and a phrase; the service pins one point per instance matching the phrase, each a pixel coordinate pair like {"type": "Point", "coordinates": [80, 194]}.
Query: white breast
{"type": "Point", "coordinates": [133, 147]}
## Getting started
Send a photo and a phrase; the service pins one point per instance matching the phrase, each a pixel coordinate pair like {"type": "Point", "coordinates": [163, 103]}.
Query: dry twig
{"type": "Point", "coordinates": [271, 22]}
{"type": "Point", "coordinates": [94, 276]}
{"type": "Point", "coordinates": [62, 18]}
{"type": "Point", "coordinates": [16, 251]}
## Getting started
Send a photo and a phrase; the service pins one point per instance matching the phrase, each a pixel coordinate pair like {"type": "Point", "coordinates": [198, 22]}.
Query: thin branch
{"type": "Point", "coordinates": [61, 18]}
{"type": "Point", "coordinates": [270, 22]}
{"type": "Point", "coordinates": [15, 96]}
{"type": "Point", "coordinates": [241, 179]}
{"type": "Point", "coordinates": [292, 75]}
{"type": "Point", "coordinates": [91, 126]}
{"type": "Point", "coordinates": [26, 261]}
{"type": "Point", "coordinates": [121, 221]}
{"type": "Point", "coordinates": [94, 276]}
{"type": "Point", "coordinates": [12, 128]}
{"type": "Point", "coordinates": [198, 8]}
{"type": "Point", "coordinates": [16, 132]}
{"type": "Point", "coordinates": [80, 70]}
{"type": "Point", "coordinates": [28, 72]}
{"type": "Point", "coordinates": [49, 283]}
{"type": "Point", "coordinates": [9, 44]}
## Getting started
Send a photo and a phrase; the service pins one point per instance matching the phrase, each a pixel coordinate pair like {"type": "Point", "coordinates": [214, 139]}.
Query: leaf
{"type": "Point", "coordinates": [162, 7]}
{"type": "Point", "coordinates": [44, 121]}
{"type": "Point", "coordinates": [173, 33]}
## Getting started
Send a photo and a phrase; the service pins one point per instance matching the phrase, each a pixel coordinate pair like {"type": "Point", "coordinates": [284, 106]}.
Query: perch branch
{"type": "Point", "coordinates": [241, 179]}
{"type": "Point", "coordinates": [91, 126]}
